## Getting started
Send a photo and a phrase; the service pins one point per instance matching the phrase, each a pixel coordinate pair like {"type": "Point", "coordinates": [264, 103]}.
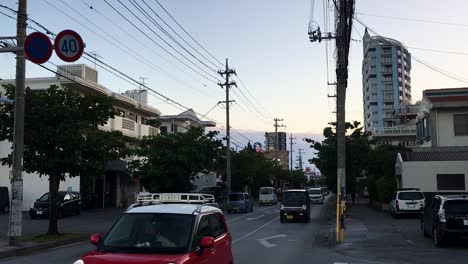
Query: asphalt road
{"type": "Point", "coordinates": [258, 237]}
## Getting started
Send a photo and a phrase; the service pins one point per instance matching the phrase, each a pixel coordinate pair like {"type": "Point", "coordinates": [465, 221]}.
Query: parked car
{"type": "Point", "coordinates": [316, 195]}
{"type": "Point", "coordinates": [407, 201]}
{"type": "Point", "coordinates": [267, 196]}
{"type": "Point", "coordinates": [325, 191]}
{"type": "Point", "coordinates": [239, 202]}
{"type": "Point", "coordinates": [4, 200]}
{"type": "Point", "coordinates": [295, 206]}
{"type": "Point", "coordinates": [68, 203]}
{"type": "Point", "coordinates": [170, 230]}
{"type": "Point", "coordinates": [445, 218]}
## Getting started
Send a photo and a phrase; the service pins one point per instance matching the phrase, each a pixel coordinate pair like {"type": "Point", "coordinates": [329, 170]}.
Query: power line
{"type": "Point", "coordinates": [186, 32]}
{"type": "Point", "coordinates": [254, 98]}
{"type": "Point", "coordinates": [441, 51]}
{"type": "Point", "coordinates": [415, 20]}
{"type": "Point", "coordinates": [154, 22]}
{"type": "Point", "coordinates": [175, 32]}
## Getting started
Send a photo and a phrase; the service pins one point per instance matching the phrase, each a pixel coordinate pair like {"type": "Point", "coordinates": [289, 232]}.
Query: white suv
{"type": "Point", "coordinates": [407, 201]}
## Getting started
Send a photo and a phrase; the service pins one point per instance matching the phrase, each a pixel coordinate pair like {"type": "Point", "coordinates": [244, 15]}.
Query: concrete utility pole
{"type": "Point", "coordinates": [344, 12]}
{"type": "Point", "coordinates": [276, 135]}
{"type": "Point", "coordinates": [16, 217]}
{"type": "Point", "coordinates": [227, 84]}
{"type": "Point", "coordinates": [291, 152]}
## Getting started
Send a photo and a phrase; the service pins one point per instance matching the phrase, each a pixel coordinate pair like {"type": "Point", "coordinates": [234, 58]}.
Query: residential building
{"type": "Point", "coordinates": [182, 122]}
{"type": "Point", "coordinates": [115, 188]}
{"type": "Point", "coordinates": [386, 90]}
{"type": "Point", "coordinates": [270, 141]}
{"type": "Point", "coordinates": [439, 161]}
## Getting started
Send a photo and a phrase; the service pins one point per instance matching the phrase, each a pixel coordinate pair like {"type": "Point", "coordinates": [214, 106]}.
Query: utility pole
{"type": "Point", "coordinates": [344, 12]}
{"type": "Point", "coordinates": [16, 216]}
{"type": "Point", "coordinates": [291, 152]}
{"type": "Point", "coordinates": [227, 85]}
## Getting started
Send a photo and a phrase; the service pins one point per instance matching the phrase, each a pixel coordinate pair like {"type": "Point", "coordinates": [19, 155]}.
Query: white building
{"type": "Point", "coordinates": [439, 162]}
{"type": "Point", "coordinates": [182, 122]}
{"type": "Point", "coordinates": [116, 187]}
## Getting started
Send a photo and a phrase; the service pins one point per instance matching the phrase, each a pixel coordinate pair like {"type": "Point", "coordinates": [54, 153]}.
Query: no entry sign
{"type": "Point", "coordinates": [68, 46]}
{"type": "Point", "coordinates": [37, 47]}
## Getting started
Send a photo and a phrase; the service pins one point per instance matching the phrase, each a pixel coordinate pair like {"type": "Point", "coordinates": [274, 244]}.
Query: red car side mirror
{"type": "Point", "coordinates": [95, 239]}
{"type": "Point", "coordinates": [207, 242]}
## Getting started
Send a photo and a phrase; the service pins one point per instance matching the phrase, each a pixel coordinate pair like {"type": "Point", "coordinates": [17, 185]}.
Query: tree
{"type": "Point", "coordinates": [169, 162]}
{"type": "Point", "coordinates": [297, 179]}
{"type": "Point", "coordinates": [59, 126]}
{"type": "Point", "coordinates": [357, 148]}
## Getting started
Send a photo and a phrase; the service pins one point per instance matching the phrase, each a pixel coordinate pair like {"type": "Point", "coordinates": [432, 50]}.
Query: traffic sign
{"type": "Point", "coordinates": [69, 45]}
{"type": "Point", "coordinates": [37, 47]}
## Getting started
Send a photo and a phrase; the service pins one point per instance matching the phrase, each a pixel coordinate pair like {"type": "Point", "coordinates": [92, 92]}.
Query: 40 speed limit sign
{"type": "Point", "coordinates": [69, 45]}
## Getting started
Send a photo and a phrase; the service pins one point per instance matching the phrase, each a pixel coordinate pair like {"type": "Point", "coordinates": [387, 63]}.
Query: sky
{"type": "Point", "coordinates": [266, 41]}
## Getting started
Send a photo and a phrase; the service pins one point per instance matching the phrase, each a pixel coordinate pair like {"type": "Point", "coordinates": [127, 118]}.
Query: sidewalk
{"type": "Point", "coordinates": [89, 222]}
{"type": "Point", "coordinates": [379, 237]}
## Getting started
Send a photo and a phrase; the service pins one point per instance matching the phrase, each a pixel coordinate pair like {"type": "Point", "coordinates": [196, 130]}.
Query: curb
{"type": "Point", "coordinates": [25, 250]}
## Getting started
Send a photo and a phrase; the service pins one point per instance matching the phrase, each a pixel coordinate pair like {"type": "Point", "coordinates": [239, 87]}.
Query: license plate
{"type": "Point", "coordinates": [39, 212]}
{"type": "Point", "coordinates": [465, 222]}
{"type": "Point", "coordinates": [289, 217]}
{"type": "Point", "coordinates": [411, 205]}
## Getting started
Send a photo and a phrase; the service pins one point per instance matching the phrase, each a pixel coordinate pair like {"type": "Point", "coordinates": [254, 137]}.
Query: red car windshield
{"type": "Point", "coordinates": [149, 234]}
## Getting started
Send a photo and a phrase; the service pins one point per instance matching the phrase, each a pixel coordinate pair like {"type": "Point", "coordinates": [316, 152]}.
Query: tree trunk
{"type": "Point", "coordinates": [54, 182]}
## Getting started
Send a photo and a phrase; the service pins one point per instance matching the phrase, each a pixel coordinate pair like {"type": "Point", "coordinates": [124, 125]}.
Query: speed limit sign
{"type": "Point", "coordinates": [69, 45]}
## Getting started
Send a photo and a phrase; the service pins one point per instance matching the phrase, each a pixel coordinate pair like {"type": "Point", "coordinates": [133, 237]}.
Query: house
{"type": "Point", "coordinates": [182, 122]}
{"type": "Point", "coordinates": [439, 161]}
{"type": "Point", "coordinates": [114, 188]}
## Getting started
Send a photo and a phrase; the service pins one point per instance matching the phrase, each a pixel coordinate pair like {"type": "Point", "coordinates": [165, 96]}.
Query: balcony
{"type": "Point", "coordinates": [129, 127]}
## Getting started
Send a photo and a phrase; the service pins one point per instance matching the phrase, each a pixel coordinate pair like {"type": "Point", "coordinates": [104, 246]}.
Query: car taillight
{"type": "Point", "coordinates": [397, 205]}
{"type": "Point", "coordinates": [442, 216]}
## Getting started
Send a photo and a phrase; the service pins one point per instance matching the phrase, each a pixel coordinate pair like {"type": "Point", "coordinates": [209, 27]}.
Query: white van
{"type": "Point", "coordinates": [267, 196]}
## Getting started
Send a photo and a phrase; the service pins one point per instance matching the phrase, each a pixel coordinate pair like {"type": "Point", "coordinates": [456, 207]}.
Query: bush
{"type": "Point", "coordinates": [385, 186]}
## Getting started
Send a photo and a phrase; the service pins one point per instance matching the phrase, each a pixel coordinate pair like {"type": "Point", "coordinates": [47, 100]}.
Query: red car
{"type": "Point", "coordinates": [165, 233]}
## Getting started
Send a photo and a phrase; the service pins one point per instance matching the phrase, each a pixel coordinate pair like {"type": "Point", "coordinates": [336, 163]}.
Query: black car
{"type": "Point", "coordinates": [4, 200]}
{"type": "Point", "coordinates": [295, 206]}
{"type": "Point", "coordinates": [68, 203]}
{"type": "Point", "coordinates": [446, 217]}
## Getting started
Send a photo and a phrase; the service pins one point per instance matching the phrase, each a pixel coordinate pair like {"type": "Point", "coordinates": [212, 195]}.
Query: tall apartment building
{"type": "Point", "coordinates": [388, 110]}
{"type": "Point", "coordinates": [270, 141]}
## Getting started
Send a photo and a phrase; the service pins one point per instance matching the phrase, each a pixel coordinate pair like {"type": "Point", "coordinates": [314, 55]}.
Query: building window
{"type": "Point", "coordinates": [163, 130]}
{"type": "Point", "coordinates": [174, 128]}
{"type": "Point", "coordinates": [120, 113]}
{"type": "Point", "coordinates": [450, 182]}
{"type": "Point", "coordinates": [144, 121]}
{"type": "Point", "coordinates": [460, 122]}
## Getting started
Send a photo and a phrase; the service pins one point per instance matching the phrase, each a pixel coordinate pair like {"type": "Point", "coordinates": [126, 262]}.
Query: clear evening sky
{"type": "Point", "coordinates": [266, 42]}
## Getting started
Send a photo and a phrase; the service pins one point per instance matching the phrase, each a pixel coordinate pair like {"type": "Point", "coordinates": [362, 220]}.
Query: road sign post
{"type": "Point", "coordinates": [69, 45]}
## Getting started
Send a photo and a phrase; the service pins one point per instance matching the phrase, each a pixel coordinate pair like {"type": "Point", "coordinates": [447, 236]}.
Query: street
{"type": "Point", "coordinates": [260, 232]}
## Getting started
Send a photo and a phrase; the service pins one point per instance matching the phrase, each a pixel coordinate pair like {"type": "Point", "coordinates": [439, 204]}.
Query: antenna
{"type": "Point", "coordinates": [96, 56]}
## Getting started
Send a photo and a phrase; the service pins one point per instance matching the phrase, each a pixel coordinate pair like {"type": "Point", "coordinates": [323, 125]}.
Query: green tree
{"type": "Point", "coordinates": [58, 124]}
{"type": "Point", "coordinates": [170, 162]}
{"type": "Point", "coordinates": [297, 179]}
{"type": "Point", "coordinates": [357, 148]}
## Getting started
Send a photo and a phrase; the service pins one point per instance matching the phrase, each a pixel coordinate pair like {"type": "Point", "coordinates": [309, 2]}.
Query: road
{"type": "Point", "coordinates": [258, 237]}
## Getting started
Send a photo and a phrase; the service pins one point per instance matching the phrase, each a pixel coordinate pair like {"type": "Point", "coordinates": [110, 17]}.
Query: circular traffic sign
{"type": "Point", "coordinates": [37, 47]}
{"type": "Point", "coordinates": [68, 45]}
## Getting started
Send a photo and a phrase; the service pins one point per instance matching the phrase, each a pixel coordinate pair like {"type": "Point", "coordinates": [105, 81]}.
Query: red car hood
{"type": "Point", "coordinates": [120, 258]}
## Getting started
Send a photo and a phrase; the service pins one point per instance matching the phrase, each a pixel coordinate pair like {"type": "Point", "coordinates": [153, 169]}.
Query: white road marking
{"type": "Point", "coordinates": [255, 218]}
{"type": "Point", "coordinates": [256, 230]}
{"type": "Point", "coordinates": [265, 243]}
{"type": "Point", "coordinates": [249, 214]}
{"type": "Point", "coordinates": [411, 242]}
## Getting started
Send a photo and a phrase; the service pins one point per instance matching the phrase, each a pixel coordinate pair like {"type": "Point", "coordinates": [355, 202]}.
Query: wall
{"type": "Point", "coordinates": [33, 185]}
{"type": "Point", "coordinates": [445, 130]}
{"type": "Point", "coordinates": [423, 174]}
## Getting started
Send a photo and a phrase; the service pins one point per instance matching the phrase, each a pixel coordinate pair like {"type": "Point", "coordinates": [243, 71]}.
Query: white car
{"type": "Point", "coordinates": [267, 196]}
{"type": "Point", "coordinates": [316, 195]}
{"type": "Point", "coordinates": [407, 201]}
